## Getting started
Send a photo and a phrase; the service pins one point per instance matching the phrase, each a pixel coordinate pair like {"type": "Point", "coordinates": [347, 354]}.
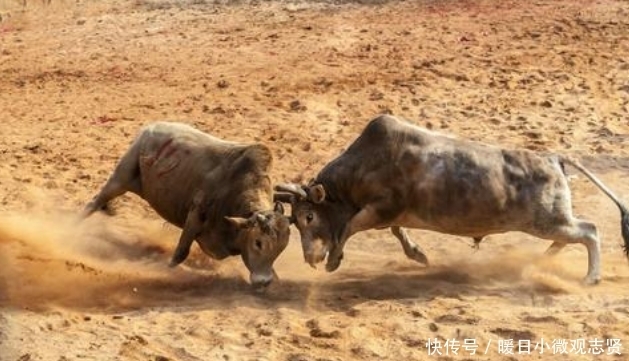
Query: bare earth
{"type": "Point", "coordinates": [79, 78]}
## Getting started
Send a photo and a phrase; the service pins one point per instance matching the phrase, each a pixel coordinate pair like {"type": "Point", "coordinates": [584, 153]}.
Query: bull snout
{"type": "Point", "coordinates": [262, 280]}
{"type": "Point", "coordinates": [313, 258]}
{"type": "Point", "coordinates": [315, 252]}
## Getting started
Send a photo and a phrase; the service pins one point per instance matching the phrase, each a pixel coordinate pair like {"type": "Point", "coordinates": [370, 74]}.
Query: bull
{"type": "Point", "coordinates": [396, 175]}
{"type": "Point", "coordinates": [219, 192]}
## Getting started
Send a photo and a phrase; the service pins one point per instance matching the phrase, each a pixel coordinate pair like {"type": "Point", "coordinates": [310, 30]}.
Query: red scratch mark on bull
{"type": "Point", "coordinates": [163, 148]}
{"type": "Point", "coordinates": [163, 161]}
{"type": "Point", "coordinates": [151, 160]}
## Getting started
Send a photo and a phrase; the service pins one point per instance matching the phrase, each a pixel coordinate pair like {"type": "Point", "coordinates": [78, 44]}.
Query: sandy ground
{"type": "Point", "coordinates": [79, 78]}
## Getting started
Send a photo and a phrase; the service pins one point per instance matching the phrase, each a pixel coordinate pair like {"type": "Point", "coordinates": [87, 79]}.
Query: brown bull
{"type": "Point", "coordinates": [218, 192]}
{"type": "Point", "coordinates": [398, 175]}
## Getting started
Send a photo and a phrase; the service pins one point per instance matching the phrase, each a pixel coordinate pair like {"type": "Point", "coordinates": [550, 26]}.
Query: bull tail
{"type": "Point", "coordinates": [624, 214]}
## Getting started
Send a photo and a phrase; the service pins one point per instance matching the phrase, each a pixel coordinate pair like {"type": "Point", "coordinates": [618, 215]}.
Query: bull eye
{"type": "Point", "coordinates": [258, 244]}
{"type": "Point", "coordinates": [309, 217]}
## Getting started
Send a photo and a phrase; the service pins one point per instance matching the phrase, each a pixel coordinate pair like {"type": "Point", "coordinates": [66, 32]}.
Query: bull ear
{"type": "Point", "coordinates": [279, 208]}
{"type": "Point", "coordinates": [317, 193]}
{"type": "Point", "coordinates": [239, 222]}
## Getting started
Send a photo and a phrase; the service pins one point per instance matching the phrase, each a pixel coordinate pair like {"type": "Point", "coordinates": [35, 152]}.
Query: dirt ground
{"type": "Point", "coordinates": [79, 78]}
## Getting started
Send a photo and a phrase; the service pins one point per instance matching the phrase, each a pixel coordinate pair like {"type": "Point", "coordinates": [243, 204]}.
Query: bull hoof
{"type": "Point", "coordinates": [176, 261]}
{"type": "Point", "coordinates": [180, 255]}
{"type": "Point", "coordinates": [591, 281]}
{"type": "Point", "coordinates": [333, 263]}
{"type": "Point", "coordinates": [332, 266]}
{"type": "Point", "coordinates": [418, 256]}
{"type": "Point", "coordinates": [173, 264]}
{"type": "Point", "coordinates": [107, 209]}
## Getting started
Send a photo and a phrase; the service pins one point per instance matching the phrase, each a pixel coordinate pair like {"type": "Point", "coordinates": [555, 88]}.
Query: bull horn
{"type": "Point", "coordinates": [278, 207]}
{"type": "Point", "coordinates": [264, 223]}
{"type": "Point", "coordinates": [295, 189]}
{"type": "Point", "coordinates": [283, 197]}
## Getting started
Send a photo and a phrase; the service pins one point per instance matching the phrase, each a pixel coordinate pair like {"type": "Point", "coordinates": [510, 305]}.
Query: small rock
{"type": "Point", "coordinates": [312, 323]}
{"type": "Point", "coordinates": [546, 104]}
{"type": "Point", "coordinates": [34, 148]}
{"type": "Point", "coordinates": [376, 95]}
{"type": "Point", "coordinates": [318, 333]}
{"type": "Point", "coordinates": [139, 339]}
{"type": "Point", "coordinates": [218, 110]}
{"type": "Point", "coordinates": [533, 134]}
{"type": "Point", "coordinates": [315, 330]}
{"type": "Point", "coordinates": [414, 343]}
{"type": "Point", "coordinates": [297, 106]}
{"type": "Point", "coordinates": [222, 84]}
{"type": "Point", "coordinates": [433, 327]}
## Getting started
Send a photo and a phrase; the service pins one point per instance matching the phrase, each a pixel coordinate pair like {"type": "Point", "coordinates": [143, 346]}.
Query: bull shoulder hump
{"type": "Point", "coordinates": [383, 120]}
{"type": "Point", "coordinates": [170, 127]}
{"type": "Point", "coordinates": [396, 134]}
{"type": "Point", "coordinates": [261, 155]}
{"type": "Point", "coordinates": [380, 126]}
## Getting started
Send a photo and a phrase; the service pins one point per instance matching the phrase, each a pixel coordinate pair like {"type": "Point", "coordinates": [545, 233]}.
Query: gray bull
{"type": "Point", "coordinates": [218, 192]}
{"type": "Point", "coordinates": [399, 175]}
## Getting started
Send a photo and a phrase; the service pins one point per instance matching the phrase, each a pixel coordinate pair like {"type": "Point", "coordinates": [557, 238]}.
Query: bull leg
{"type": "Point", "coordinates": [477, 241]}
{"type": "Point", "coordinates": [111, 190]}
{"type": "Point", "coordinates": [411, 249]}
{"type": "Point", "coordinates": [126, 177]}
{"type": "Point", "coordinates": [554, 248]}
{"type": "Point", "coordinates": [365, 219]}
{"type": "Point", "coordinates": [191, 230]}
{"type": "Point", "coordinates": [578, 231]}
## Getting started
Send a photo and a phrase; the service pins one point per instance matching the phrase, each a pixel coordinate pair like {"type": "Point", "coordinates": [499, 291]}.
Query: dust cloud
{"type": "Point", "coordinates": [53, 258]}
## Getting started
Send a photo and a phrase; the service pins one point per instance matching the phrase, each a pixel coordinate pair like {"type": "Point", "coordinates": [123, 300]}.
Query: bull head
{"type": "Point", "coordinates": [259, 239]}
{"type": "Point", "coordinates": [311, 216]}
